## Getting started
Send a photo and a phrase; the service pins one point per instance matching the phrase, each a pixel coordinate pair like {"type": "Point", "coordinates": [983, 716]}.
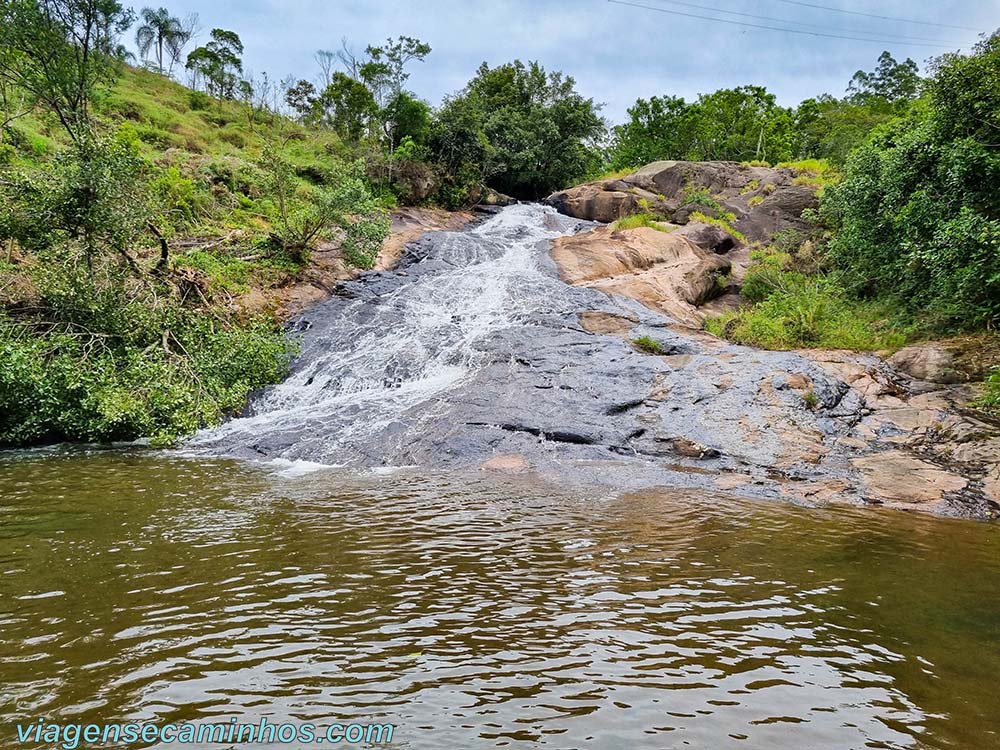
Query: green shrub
{"type": "Point", "coordinates": [990, 400]}
{"type": "Point", "coordinates": [180, 197]}
{"type": "Point", "coordinates": [648, 345]}
{"type": "Point", "coordinates": [113, 361]}
{"type": "Point", "coordinates": [234, 138]}
{"type": "Point", "coordinates": [796, 310]}
{"type": "Point", "coordinates": [198, 100]}
{"type": "Point", "coordinates": [699, 196]}
{"type": "Point", "coordinates": [917, 216]}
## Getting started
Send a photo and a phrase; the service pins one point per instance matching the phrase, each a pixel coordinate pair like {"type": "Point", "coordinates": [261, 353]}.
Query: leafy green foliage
{"type": "Point", "coordinates": [990, 400]}
{"type": "Point", "coordinates": [729, 124]}
{"type": "Point", "coordinates": [803, 311]}
{"type": "Point", "coordinates": [522, 130]}
{"type": "Point", "coordinates": [791, 307]}
{"type": "Point", "coordinates": [304, 217]}
{"type": "Point", "coordinates": [218, 63]}
{"type": "Point", "coordinates": [917, 216]}
{"type": "Point", "coordinates": [61, 52]}
{"type": "Point", "coordinates": [746, 124]}
{"type": "Point", "coordinates": [116, 361]}
{"type": "Point", "coordinates": [91, 197]}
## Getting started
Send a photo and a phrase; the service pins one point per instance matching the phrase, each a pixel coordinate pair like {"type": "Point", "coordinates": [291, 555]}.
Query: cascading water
{"type": "Point", "coordinates": [387, 354]}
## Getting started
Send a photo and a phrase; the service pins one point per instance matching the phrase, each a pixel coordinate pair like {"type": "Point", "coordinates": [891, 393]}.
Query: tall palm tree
{"type": "Point", "coordinates": [158, 31]}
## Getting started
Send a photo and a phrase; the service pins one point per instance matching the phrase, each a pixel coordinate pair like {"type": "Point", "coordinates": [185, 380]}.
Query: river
{"type": "Point", "coordinates": [336, 555]}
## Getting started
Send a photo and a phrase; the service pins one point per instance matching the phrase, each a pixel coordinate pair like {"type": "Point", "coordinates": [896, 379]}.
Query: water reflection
{"type": "Point", "coordinates": [476, 614]}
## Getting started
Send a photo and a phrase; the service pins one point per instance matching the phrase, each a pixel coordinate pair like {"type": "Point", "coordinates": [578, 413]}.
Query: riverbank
{"type": "Point", "coordinates": [899, 431]}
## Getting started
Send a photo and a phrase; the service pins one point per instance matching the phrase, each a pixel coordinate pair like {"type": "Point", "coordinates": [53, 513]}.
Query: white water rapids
{"type": "Point", "coordinates": [373, 361]}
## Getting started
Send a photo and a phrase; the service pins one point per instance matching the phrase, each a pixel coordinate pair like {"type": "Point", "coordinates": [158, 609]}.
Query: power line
{"type": "Point", "coordinates": [772, 28]}
{"type": "Point", "coordinates": [881, 37]}
{"type": "Point", "coordinates": [875, 15]}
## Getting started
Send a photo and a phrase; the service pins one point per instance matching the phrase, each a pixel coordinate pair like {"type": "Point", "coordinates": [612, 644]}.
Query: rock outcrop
{"type": "Point", "coordinates": [675, 271]}
{"type": "Point", "coordinates": [764, 200]}
{"type": "Point", "coordinates": [683, 267]}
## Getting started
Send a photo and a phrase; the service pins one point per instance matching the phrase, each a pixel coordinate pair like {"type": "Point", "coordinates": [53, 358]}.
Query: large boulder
{"type": "Point", "coordinates": [674, 271]}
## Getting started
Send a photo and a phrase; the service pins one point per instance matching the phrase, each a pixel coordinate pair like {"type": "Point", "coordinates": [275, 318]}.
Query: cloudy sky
{"type": "Point", "coordinates": [616, 52]}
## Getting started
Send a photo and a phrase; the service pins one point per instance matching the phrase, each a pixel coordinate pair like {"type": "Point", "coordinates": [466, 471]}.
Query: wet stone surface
{"type": "Point", "coordinates": [473, 348]}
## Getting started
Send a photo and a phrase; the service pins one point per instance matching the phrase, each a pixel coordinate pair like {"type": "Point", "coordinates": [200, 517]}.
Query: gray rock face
{"type": "Point", "coordinates": [475, 354]}
{"type": "Point", "coordinates": [764, 200]}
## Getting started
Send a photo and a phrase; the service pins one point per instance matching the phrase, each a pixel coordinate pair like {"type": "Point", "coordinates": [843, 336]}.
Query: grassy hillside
{"type": "Point", "coordinates": [119, 344]}
{"type": "Point", "coordinates": [203, 162]}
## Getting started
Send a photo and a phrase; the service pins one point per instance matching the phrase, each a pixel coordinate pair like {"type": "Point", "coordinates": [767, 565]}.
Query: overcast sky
{"type": "Point", "coordinates": [616, 53]}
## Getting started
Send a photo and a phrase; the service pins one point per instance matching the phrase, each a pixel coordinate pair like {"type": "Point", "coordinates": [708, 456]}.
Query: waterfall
{"type": "Point", "coordinates": [390, 353]}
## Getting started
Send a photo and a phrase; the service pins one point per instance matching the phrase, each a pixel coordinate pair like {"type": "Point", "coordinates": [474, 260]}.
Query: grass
{"type": "Point", "coordinates": [722, 221]}
{"type": "Point", "coordinates": [648, 345]}
{"type": "Point", "coordinates": [634, 221]}
{"type": "Point", "coordinates": [617, 174]}
{"type": "Point", "coordinates": [990, 400]}
{"type": "Point", "coordinates": [808, 311]}
{"type": "Point", "coordinates": [810, 399]}
{"type": "Point", "coordinates": [202, 153]}
{"type": "Point", "coordinates": [792, 309]}
{"type": "Point", "coordinates": [818, 173]}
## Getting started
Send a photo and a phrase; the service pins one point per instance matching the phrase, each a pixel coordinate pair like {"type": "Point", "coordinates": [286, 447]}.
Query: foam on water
{"type": "Point", "coordinates": [377, 361]}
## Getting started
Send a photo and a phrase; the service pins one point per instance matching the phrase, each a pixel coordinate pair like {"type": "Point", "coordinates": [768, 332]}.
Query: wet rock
{"type": "Point", "coordinates": [596, 321]}
{"type": "Point", "coordinates": [688, 448]}
{"type": "Point", "coordinates": [481, 357]}
{"type": "Point", "coordinates": [510, 463]}
{"type": "Point", "coordinates": [902, 479]}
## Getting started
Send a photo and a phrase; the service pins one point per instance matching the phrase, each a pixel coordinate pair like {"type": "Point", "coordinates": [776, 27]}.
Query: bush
{"type": "Point", "coordinates": [990, 400]}
{"type": "Point", "coordinates": [302, 218]}
{"type": "Point", "coordinates": [114, 362]}
{"type": "Point", "coordinates": [795, 310]}
{"type": "Point", "coordinates": [918, 212]}
{"type": "Point", "coordinates": [180, 197]}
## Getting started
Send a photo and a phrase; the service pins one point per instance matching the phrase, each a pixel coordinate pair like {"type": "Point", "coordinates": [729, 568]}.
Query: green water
{"type": "Point", "coordinates": [474, 612]}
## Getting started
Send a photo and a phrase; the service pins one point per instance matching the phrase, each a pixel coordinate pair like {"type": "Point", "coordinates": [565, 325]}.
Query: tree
{"type": "Point", "coordinates": [343, 204]}
{"type": "Point", "coordinates": [541, 133]}
{"type": "Point", "coordinates": [302, 97]}
{"type": "Point", "coordinates": [159, 31]}
{"type": "Point", "coordinates": [384, 72]}
{"type": "Point", "coordinates": [347, 106]}
{"type": "Point", "coordinates": [656, 129]}
{"type": "Point", "coordinates": [218, 63]}
{"type": "Point", "coordinates": [189, 28]}
{"type": "Point", "coordinates": [326, 61]}
{"type": "Point", "coordinates": [918, 212]}
{"type": "Point", "coordinates": [60, 51]}
{"type": "Point", "coordinates": [405, 116]}
{"type": "Point", "coordinates": [740, 124]}
{"type": "Point", "coordinates": [737, 124]}
{"type": "Point", "coordinates": [891, 82]}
